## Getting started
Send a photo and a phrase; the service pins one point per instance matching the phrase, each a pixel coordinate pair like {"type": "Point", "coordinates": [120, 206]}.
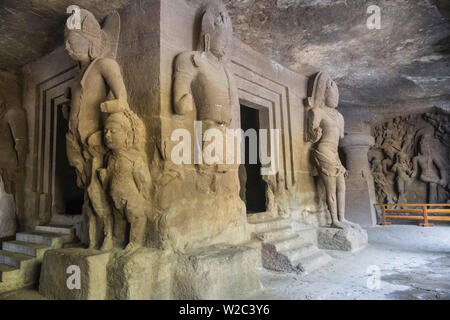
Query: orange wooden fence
{"type": "Point", "coordinates": [420, 213]}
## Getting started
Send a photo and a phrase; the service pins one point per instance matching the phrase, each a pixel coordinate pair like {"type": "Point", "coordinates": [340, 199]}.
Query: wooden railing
{"type": "Point", "coordinates": [424, 210]}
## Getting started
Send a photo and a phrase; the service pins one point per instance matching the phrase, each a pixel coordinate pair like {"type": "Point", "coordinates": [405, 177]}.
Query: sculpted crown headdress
{"type": "Point", "coordinates": [216, 20]}
{"type": "Point", "coordinates": [317, 89]}
{"type": "Point", "coordinates": [104, 40]}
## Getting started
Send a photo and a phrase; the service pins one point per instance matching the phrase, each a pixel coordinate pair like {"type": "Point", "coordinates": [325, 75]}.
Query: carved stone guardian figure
{"type": "Point", "coordinates": [127, 178]}
{"type": "Point", "coordinates": [13, 150]}
{"type": "Point", "coordinates": [432, 170]}
{"type": "Point", "coordinates": [202, 82]}
{"type": "Point", "coordinates": [325, 129]}
{"type": "Point", "coordinates": [99, 81]}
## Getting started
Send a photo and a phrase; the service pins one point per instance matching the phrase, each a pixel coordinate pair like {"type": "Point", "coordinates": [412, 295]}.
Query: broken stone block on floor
{"type": "Point", "coordinates": [350, 239]}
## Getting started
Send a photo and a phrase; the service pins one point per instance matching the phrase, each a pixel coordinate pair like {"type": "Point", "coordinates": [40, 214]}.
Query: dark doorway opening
{"type": "Point", "coordinates": [69, 198]}
{"type": "Point", "coordinates": [253, 186]}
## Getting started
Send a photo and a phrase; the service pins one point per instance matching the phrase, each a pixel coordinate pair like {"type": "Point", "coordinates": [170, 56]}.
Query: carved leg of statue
{"type": "Point", "coordinates": [93, 242]}
{"type": "Point", "coordinates": [340, 182]}
{"type": "Point", "coordinates": [432, 192]}
{"type": "Point", "coordinates": [137, 232]}
{"type": "Point", "coordinates": [330, 187]}
{"type": "Point", "coordinates": [20, 204]}
{"type": "Point", "coordinates": [103, 211]}
{"type": "Point", "coordinates": [136, 218]}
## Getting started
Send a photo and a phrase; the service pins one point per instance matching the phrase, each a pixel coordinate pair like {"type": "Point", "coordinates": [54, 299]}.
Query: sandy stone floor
{"type": "Point", "coordinates": [413, 263]}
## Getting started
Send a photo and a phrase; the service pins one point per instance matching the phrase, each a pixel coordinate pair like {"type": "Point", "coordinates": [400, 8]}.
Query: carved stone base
{"type": "Point", "coordinates": [92, 266]}
{"type": "Point", "coordinates": [350, 239]}
{"type": "Point", "coordinates": [217, 272]}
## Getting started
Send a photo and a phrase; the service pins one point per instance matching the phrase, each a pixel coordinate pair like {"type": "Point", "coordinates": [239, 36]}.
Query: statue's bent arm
{"type": "Point", "coordinates": [185, 72]}
{"type": "Point", "coordinates": [315, 131]}
{"type": "Point", "coordinates": [110, 71]}
{"type": "Point", "coordinates": [17, 122]}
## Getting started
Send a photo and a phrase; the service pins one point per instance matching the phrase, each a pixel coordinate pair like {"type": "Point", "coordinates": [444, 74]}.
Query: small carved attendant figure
{"type": "Point", "coordinates": [202, 81]}
{"type": "Point", "coordinates": [98, 86]}
{"type": "Point", "coordinates": [127, 178]}
{"type": "Point", "coordinates": [325, 128]}
{"type": "Point", "coordinates": [402, 172]}
{"type": "Point", "coordinates": [13, 152]}
{"type": "Point", "coordinates": [428, 166]}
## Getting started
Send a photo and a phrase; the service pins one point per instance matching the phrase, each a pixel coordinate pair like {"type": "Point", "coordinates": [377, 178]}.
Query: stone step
{"type": "Point", "coordinates": [260, 226]}
{"type": "Point", "coordinates": [27, 248]}
{"type": "Point", "coordinates": [276, 234]}
{"type": "Point", "coordinates": [53, 240]}
{"type": "Point", "coordinates": [298, 252]}
{"type": "Point", "coordinates": [14, 259]}
{"type": "Point", "coordinates": [8, 273]}
{"type": "Point", "coordinates": [286, 243]}
{"type": "Point", "coordinates": [307, 235]}
{"type": "Point", "coordinates": [312, 262]}
{"type": "Point", "coordinates": [61, 229]}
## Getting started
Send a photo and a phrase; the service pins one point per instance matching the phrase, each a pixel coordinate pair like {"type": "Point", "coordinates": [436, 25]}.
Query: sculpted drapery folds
{"type": "Point", "coordinates": [13, 149]}
{"type": "Point", "coordinates": [325, 129]}
{"type": "Point", "coordinates": [202, 82]}
{"type": "Point", "coordinates": [98, 87]}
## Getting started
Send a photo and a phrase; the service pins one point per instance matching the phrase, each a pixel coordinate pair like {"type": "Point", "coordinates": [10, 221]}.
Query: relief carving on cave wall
{"type": "Point", "coordinates": [14, 149]}
{"type": "Point", "coordinates": [410, 159]}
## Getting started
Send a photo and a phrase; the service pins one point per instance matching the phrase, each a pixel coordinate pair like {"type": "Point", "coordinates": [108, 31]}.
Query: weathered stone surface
{"type": "Point", "coordinates": [7, 213]}
{"type": "Point", "coordinates": [349, 239]}
{"type": "Point", "coordinates": [217, 272]}
{"type": "Point", "coordinates": [93, 274]}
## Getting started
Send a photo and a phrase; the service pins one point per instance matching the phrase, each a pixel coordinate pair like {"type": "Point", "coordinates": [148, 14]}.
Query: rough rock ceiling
{"type": "Point", "coordinates": [406, 62]}
{"type": "Point", "coordinates": [30, 29]}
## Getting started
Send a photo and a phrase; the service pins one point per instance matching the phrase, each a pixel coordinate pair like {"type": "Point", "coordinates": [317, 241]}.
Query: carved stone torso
{"type": "Point", "coordinates": [211, 90]}
{"type": "Point", "coordinates": [88, 92]}
{"type": "Point", "coordinates": [332, 125]}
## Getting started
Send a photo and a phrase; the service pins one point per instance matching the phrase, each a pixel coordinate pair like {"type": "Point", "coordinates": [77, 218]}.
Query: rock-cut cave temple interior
{"type": "Point", "coordinates": [224, 149]}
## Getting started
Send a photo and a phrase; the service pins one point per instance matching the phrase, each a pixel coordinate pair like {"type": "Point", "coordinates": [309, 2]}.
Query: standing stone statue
{"type": "Point", "coordinates": [432, 170]}
{"type": "Point", "coordinates": [98, 87]}
{"type": "Point", "coordinates": [13, 153]}
{"type": "Point", "coordinates": [325, 129]}
{"type": "Point", "coordinates": [403, 172]}
{"type": "Point", "coordinates": [203, 83]}
{"type": "Point", "coordinates": [127, 178]}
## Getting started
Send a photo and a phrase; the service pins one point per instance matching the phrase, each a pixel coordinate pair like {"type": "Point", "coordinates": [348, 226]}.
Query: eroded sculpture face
{"type": "Point", "coordinates": [77, 46]}
{"type": "Point", "coordinates": [332, 95]}
{"type": "Point", "coordinates": [116, 134]}
{"type": "Point", "coordinates": [217, 31]}
{"type": "Point", "coordinates": [87, 43]}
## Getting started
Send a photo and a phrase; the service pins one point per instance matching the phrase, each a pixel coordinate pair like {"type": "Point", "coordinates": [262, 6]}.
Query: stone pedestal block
{"type": "Point", "coordinates": [90, 265]}
{"type": "Point", "coordinates": [350, 239]}
{"type": "Point", "coordinates": [217, 272]}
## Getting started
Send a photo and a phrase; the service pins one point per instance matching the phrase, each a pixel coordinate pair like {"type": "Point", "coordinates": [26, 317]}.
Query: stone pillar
{"type": "Point", "coordinates": [360, 194]}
